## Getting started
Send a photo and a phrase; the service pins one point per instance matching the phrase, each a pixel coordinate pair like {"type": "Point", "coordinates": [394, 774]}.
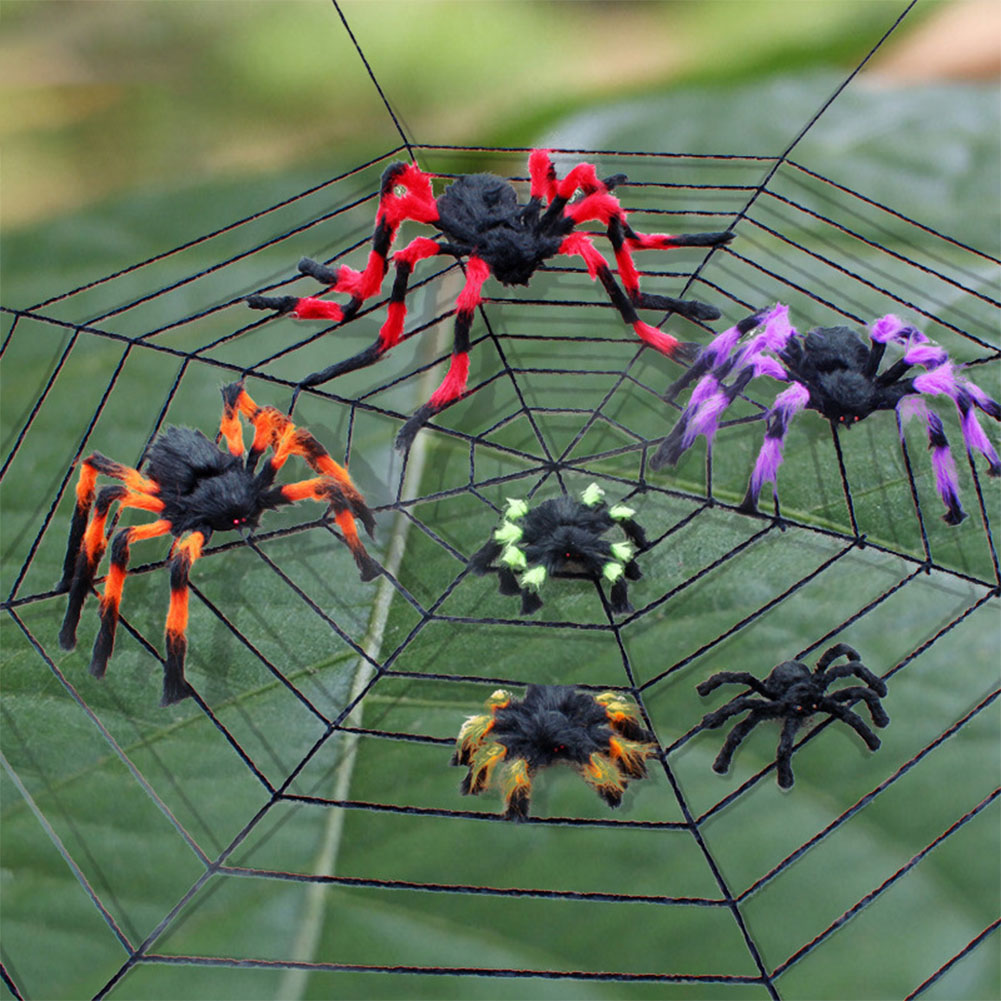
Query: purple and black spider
{"type": "Point", "coordinates": [793, 693]}
{"type": "Point", "coordinates": [832, 371]}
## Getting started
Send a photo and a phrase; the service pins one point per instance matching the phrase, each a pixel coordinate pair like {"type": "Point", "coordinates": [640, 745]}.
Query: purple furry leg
{"type": "Point", "coordinates": [989, 406]}
{"type": "Point", "coordinates": [892, 328]}
{"type": "Point", "coordinates": [973, 434]}
{"type": "Point", "coordinates": [716, 353]}
{"type": "Point", "coordinates": [946, 480]}
{"type": "Point", "coordinates": [787, 404]}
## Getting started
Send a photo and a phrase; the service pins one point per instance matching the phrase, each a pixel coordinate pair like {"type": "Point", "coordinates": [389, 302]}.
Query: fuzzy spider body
{"type": "Point", "coordinates": [793, 693]}
{"type": "Point", "coordinates": [834, 365]}
{"type": "Point", "coordinates": [195, 488]}
{"type": "Point", "coordinates": [482, 212]}
{"type": "Point", "coordinates": [832, 371]}
{"type": "Point", "coordinates": [202, 486]}
{"type": "Point", "coordinates": [481, 220]}
{"type": "Point", "coordinates": [600, 737]}
{"type": "Point", "coordinates": [563, 536]}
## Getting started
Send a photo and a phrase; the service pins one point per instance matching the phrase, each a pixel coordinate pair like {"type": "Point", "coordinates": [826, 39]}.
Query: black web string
{"type": "Point", "coordinates": [736, 279]}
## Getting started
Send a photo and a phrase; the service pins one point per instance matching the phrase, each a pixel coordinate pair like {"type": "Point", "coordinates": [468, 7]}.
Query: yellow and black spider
{"type": "Point", "coordinates": [599, 736]}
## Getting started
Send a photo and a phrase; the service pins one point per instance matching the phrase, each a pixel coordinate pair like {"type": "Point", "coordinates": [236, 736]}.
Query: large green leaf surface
{"type": "Point", "coordinates": [106, 794]}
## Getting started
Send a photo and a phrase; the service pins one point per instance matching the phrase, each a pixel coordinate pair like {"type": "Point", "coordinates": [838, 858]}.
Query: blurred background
{"type": "Point", "coordinates": [106, 102]}
{"type": "Point", "coordinates": [129, 128]}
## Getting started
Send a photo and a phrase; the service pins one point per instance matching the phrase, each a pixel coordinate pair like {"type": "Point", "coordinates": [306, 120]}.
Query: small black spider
{"type": "Point", "coordinates": [563, 536]}
{"type": "Point", "coordinates": [832, 371]}
{"type": "Point", "coordinates": [482, 220]}
{"type": "Point", "coordinates": [195, 488]}
{"type": "Point", "coordinates": [599, 736]}
{"type": "Point", "coordinates": [792, 692]}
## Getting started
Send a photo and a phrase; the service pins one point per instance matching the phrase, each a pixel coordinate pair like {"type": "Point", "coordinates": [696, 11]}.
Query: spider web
{"type": "Point", "coordinates": [310, 771]}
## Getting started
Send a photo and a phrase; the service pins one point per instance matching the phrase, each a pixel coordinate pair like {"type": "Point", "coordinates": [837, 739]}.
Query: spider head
{"type": "Point", "coordinates": [847, 397]}
{"type": "Point", "coordinates": [792, 683]}
{"type": "Point", "coordinates": [573, 549]}
{"type": "Point", "coordinates": [552, 724]}
{"type": "Point", "coordinates": [553, 737]}
{"type": "Point", "coordinates": [226, 503]}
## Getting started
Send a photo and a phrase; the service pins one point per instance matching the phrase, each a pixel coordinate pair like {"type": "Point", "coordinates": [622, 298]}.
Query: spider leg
{"type": "Point", "coordinates": [731, 678]}
{"type": "Point", "coordinates": [624, 240]}
{"type": "Point", "coordinates": [482, 762]}
{"type": "Point", "coordinates": [859, 670]}
{"type": "Point", "coordinates": [187, 550]}
{"type": "Point", "coordinates": [787, 404]}
{"type": "Point", "coordinates": [855, 721]}
{"type": "Point", "coordinates": [516, 788]}
{"type": "Point", "coordinates": [717, 351]}
{"type": "Point", "coordinates": [832, 654]}
{"type": "Point", "coordinates": [328, 490]}
{"type": "Point", "coordinates": [623, 717]}
{"type": "Point", "coordinates": [736, 736]}
{"type": "Point", "coordinates": [85, 489]}
{"type": "Point", "coordinates": [392, 329]}
{"type": "Point", "coordinates": [92, 545]}
{"type": "Point", "coordinates": [734, 707]}
{"type": "Point", "coordinates": [597, 267]}
{"type": "Point", "coordinates": [454, 384]}
{"type": "Point", "coordinates": [783, 754]}
{"type": "Point", "coordinates": [530, 600]}
{"type": "Point", "coordinates": [618, 596]}
{"type": "Point", "coordinates": [946, 478]}
{"type": "Point", "coordinates": [968, 398]}
{"type": "Point", "coordinates": [405, 193]}
{"type": "Point", "coordinates": [716, 362]}
{"type": "Point", "coordinates": [275, 429]}
{"type": "Point", "coordinates": [480, 561]}
{"type": "Point", "coordinates": [702, 414]}
{"type": "Point", "coordinates": [604, 777]}
{"type": "Point", "coordinates": [630, 756]}
{"type": "Point", "coordinates": [871, 699]}
{"type": "Point", "coordinates": [104, 643]}
{"type": "Point", "coordinates": [230, 428]}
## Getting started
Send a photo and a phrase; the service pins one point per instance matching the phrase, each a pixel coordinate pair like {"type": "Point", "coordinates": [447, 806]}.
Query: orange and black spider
{"type": "Point", "coordinates": [481, 220]}
{"type": "Point", "coordinates": [195, 488]}
{"type": "Point", "coordinates": [599, 736]}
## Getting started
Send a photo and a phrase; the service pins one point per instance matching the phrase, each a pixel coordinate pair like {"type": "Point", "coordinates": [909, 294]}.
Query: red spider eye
{"type": "Point", "coordinates": [856, 419]}
{"type": "Point", "coordinates": [400, 190]}
{"type": "Point", "coordinates": [558, 748]}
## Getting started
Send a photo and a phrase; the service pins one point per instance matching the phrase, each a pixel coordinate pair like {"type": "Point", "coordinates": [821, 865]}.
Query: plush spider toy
{"type": "Point", "coordinates": [562, 536]}
{"type": "Point", "coordinates": [599, 736]}
{"type": "Point", "coordinates": [481, 220]}
{"type": "Point", "coordinates": [196, 488]}
{"type": "Point", "coordinates": [832, 371]}
{"type": "Point", "coordinates": [792, 693]}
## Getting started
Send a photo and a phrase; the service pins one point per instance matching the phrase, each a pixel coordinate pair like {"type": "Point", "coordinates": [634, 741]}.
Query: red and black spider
{"type": "Point", "coordinates": [793, 693]}
{"type": "Point", "coordinates": [481, 219]}
{"type": "Point", "coordinates": [832, 371]}
{"type": "Point", "coordinates": [599, 736]}
{"type": "Point", "coordinates": [196, 488]}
